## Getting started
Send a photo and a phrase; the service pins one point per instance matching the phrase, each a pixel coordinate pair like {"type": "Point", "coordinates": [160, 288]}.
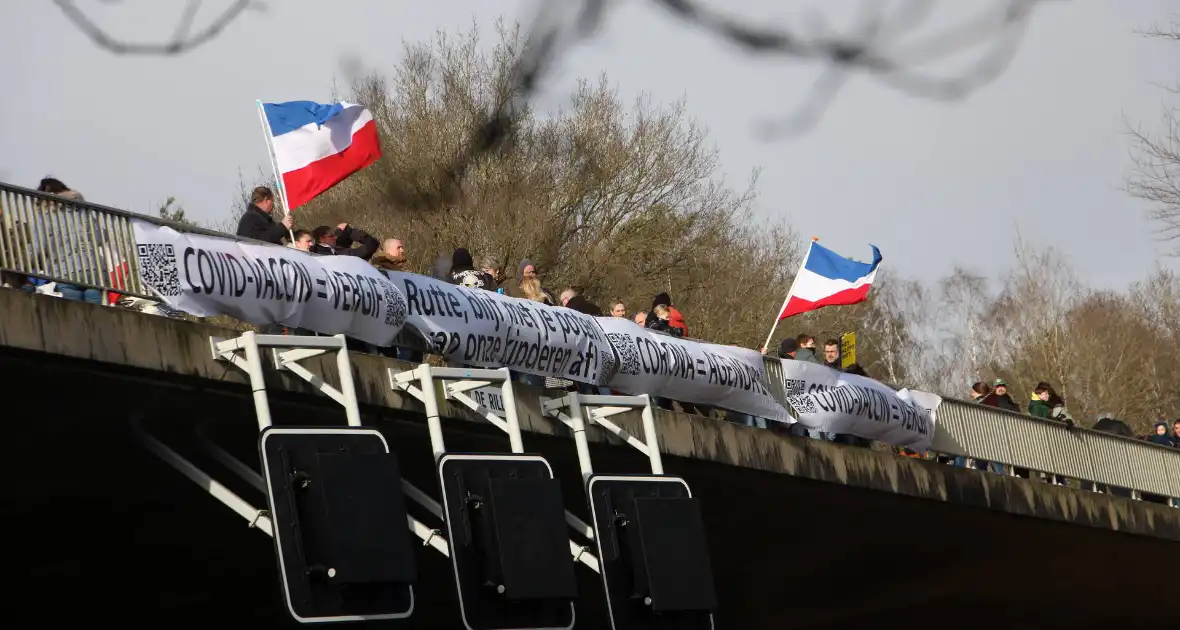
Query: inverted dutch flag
{"type": "Point", "coordinates": [316, 146]}
{"type": "Point", "coordinates": [828, 279]}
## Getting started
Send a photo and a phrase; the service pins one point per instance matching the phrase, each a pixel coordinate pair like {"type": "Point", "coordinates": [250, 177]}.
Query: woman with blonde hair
{"type": "Point", "coordinates": [531, 287]}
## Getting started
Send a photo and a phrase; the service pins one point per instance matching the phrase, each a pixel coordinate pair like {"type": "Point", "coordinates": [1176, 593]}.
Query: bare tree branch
{"type": "Point", "coordinates": [180, 43]}
{"type": "Point", "coordinates": [557, 26]}
{"type": "Point", "coordinates": [877, 46]}
{"type": "Point", "coordinates": [1155, 158]}
{"type": "Point", "coordinates": [1169, 31]}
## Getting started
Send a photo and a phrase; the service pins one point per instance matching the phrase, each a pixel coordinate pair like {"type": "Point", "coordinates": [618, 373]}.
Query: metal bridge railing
{"type": "Point", "coordinates": [1051, 447]}
{"type": "Point", "coordinates": [1046, 446]}
{"type": "Point", "coordinates": [75, 242]}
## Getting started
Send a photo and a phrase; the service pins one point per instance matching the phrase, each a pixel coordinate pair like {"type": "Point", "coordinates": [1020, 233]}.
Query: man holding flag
{"type": "Point", "coordinates": [257, 221]}
{"type": "Point", "coordinates": [827, 279]}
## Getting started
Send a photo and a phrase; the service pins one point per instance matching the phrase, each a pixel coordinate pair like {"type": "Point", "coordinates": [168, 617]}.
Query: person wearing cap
{"type": "Point", "coordinates": [1000, 399]}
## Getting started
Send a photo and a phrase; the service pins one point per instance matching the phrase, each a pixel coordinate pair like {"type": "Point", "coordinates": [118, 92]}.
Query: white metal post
{"type": "Point", "coordinates": [430, 402]}
{"type": "Point", "coordinates": [650, 437]}
{"type": "Point", "coordinates": [578, 420]}
{"type": "Point", "coordinates": [515, 441]}
{"type": "Point", "coordinates": [347, 387]}
{"type": "Point", "coordinates": [257, 378]}
{"type": "Point", "coordinates": [255, 517]}
{"type": "Point", "coordinates": [274, 164]}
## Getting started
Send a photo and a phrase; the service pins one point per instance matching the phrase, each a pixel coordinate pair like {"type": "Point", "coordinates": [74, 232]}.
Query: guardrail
{"type": "Point", "coordinates": [75, 242]}
{"type": "Point", "coordinates": [90, 245]}
{"type": "Point", "coordinates": [1051, 447]}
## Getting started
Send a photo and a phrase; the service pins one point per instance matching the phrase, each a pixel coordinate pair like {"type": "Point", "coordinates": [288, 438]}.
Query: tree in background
{"type": "Point", "coordinates": [1104, 351]}
{"type": "Point", "coordinates": [625, 200]}
{"type": "Point", "coordinates": [1155, 175]}
{"type": "Point", "coordinates": [172, 211]}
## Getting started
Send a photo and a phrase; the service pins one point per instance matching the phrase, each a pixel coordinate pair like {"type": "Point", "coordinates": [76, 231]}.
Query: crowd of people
{"type": "Point", "coordinates": [460, 267]}
{"type": "Point", "coordinates": [1045, 402]}
{"type": "Point", "coordinates": [258, 222]}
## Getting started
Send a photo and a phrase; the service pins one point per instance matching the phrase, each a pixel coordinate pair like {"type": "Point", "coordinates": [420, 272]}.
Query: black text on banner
{"type": "Point", "coordinates": [690, 371]}
{"type": "Point", "coordinates": [486, 329]}
{"type": "Point", "coordinates": [268, 284]}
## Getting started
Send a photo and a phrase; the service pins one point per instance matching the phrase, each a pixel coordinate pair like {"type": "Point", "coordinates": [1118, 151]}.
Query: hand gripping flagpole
{"type": "Point", "coordinates": [778, 316]}
{"type": "Point", "coordinates": [274, 164]}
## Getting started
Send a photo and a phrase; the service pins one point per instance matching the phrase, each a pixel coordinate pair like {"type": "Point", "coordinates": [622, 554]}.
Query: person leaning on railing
{"type": "Point", "coordinates": [69, 241]}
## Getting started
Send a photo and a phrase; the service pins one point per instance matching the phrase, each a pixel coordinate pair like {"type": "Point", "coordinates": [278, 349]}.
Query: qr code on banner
{"type": "Point", "coordinates": [157, 265]}
{"type": "Point", "coordinates": [395, 307]}
{"type": "Point", "coordinates": [628, 355]}
{"type": "Point", "coordinates": [802, 404]}
{"type": "Point", "coordinates": [794, 386]}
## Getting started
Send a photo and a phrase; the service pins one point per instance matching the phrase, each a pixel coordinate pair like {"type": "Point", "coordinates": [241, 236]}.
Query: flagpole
{"type": "Point", "coordinates": [274, 165]}
{"type": "Point", "coordinates": [777, 317]}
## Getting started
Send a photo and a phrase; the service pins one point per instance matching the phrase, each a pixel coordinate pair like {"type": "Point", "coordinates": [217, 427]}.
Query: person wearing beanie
{"type": "Point", "coordinates": [464, 273]}
{"type": "Point", "coordinates": [1160, 435]}
{"type": "Point", "coordinates": [788, 348]}
{"type": "Point", "coordinates": [1000, 398]}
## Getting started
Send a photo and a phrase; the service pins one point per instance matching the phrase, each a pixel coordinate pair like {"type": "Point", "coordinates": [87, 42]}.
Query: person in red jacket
{"type": "Point", "coordinates": [675, 319]}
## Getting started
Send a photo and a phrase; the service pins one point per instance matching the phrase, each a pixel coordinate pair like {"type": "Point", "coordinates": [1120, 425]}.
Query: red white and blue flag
{"type": "Point", "coordinates": [316, 146]}
{"type": "Point", "coordinates": [828, 279]}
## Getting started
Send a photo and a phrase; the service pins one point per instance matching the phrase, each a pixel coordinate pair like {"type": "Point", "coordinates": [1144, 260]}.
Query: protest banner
{"type": "Point", "coordinates": [268, 284]}
{"type": "Point", "coordinates": [689, 371]}
{"type": "Point", "coordinates": [485, 329]}
{"type": "Point", "coordinates": [835, 402]}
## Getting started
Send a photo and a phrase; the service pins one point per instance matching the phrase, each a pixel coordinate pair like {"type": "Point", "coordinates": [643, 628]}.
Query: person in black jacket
{"type": "Point", "coordinates": [464, 273]}
{"type": "Point", "coordinates": [573, 299]}
{"type": "Point", "coordinates": [338, 241]}
{"type": "Point", "coordinates": [659, 321]}
{"type": "Point", "coordinates": [258, 223]}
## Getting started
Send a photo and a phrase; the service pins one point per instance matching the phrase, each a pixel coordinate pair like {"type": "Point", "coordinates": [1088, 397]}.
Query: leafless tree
{"type": "Point", "coordinates": [183, 39]}
{"type": "Point", "coordinates": [1106, 352]}
{"type": "Point", "coordinates": [963, 335]}
{"type": "Point", "coordinates": [1155, 156]}
{"type": "Point", "coordinates": [624, 199]}
{"type": "Point", "coordinates": [895, 324]}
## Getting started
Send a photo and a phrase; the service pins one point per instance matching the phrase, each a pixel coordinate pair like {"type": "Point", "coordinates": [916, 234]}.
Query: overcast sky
{"type": "Point", "coordinates": [1042, 150]}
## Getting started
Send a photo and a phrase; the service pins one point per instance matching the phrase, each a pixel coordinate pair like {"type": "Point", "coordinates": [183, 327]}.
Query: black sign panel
{"type": "Point", "coordinates": [652, 552]}
{"type": "Point", "coordinates": [335, 499]}
{"type": "Point", "coordinates": [509, 545]}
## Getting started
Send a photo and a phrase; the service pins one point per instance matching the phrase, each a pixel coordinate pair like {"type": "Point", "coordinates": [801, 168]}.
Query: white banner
{"type": "Point", "coordinates": [267, 284]}
{"type": "Point", "coordinates": [485, 329]}
{"type": "Point", "coordinates": [832, 401]}
{"type": "Point", "coordinates": [690, 371]}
